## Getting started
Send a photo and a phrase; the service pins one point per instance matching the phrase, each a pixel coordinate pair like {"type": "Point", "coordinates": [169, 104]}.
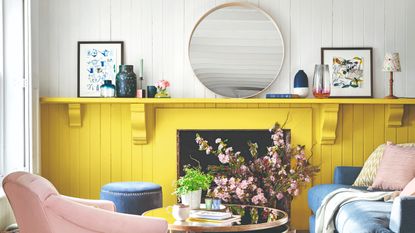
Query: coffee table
{"type": "Point", "coordinates": [253, 219]}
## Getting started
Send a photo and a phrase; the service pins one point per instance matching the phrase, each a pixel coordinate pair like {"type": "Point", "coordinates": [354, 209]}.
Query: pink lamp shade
{"type": "Point", "coordinates": [392, 63]}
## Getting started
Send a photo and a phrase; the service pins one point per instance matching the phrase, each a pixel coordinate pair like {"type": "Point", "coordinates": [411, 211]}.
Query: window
{"type": "Point", "coordinates": [2, 166]}
{"type": "Point", "coordinates": [15, 92]}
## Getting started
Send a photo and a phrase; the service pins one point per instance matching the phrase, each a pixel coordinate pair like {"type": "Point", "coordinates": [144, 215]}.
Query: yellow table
{"type": "Point", "coordinates": [253, 218]}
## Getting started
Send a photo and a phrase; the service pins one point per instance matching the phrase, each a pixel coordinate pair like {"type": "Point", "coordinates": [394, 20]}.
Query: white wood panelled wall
{"type": "Point", "coordinates": [158, 31]}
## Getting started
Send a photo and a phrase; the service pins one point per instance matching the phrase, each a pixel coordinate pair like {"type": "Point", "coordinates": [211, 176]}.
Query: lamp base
{"type": "Point", "coordinates": [391, 97]}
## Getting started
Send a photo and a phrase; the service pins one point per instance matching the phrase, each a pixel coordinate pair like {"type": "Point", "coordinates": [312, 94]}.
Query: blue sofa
{"type": "Point", "coordinates": [363, 216]}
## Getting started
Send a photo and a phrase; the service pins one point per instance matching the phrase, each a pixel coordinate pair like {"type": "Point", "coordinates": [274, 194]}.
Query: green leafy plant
{"type": "Point", "coordinates": [193, 180]}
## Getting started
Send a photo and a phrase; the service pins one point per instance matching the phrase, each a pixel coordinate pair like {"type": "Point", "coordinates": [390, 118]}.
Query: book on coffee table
{"type": "Point", "coordinates": [211, 215]}
{"type": "Point", "coordinates": [235, 218]}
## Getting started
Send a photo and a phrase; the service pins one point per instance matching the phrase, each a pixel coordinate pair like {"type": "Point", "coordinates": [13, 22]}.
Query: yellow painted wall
{"type": "Point", "coordinates": [79, 160]}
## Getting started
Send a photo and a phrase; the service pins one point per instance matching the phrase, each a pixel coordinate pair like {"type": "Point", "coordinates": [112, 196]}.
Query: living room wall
{"type": "Point", "coordinates": [158, 31]}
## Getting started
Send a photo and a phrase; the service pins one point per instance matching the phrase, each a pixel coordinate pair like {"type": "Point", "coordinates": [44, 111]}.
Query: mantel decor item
{"type": "Point", "coordinates": [391, 64]}
{"type": "Point", "coordinates": [107, 89]}
{"type": "Point", "coordinates": [321, 81]}
{"type": "Point", "coordinates": [162, 86]}
{"type": "Point", "coordinates": [126, 82]}
{"type": "Point", "coordinates": [301, 84]}
{"type": "Point", "coordinates": [350, 71]}
{"type": "Point", "coordinates": [97, 61]}
{"type": "Point", "coordinates": [151, 91]}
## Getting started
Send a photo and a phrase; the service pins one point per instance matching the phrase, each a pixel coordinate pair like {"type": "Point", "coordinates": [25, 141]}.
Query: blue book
{"type": "Point", "coordinates": [281, 96]}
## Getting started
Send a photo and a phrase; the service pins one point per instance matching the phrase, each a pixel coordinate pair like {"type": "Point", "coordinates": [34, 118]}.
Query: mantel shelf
{"type": "Point", "coordinates": [62, 100]}
{"type": "Point", "coordinates": [329, 110]}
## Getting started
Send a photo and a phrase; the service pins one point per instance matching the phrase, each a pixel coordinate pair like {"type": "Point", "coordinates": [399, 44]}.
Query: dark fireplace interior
{"type": "Point", "coordinates": [237, 139]}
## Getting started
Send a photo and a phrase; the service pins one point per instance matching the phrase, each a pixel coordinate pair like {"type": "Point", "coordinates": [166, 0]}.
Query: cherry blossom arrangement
{"type": "Point", "coordinates": [267, 180]}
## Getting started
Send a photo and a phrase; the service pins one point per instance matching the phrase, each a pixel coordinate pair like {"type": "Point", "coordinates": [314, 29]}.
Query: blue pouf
{"type": "Point", "coordinates": [133, 197]}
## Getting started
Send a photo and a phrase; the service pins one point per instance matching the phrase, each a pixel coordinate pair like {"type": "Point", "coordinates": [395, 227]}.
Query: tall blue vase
{"type": "Point", "coordinates": [301, 84]}
{"type": "Point", "coordinates": [126, 82]}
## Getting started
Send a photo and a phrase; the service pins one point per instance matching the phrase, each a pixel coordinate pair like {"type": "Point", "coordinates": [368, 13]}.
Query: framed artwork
{"type": "Point", "coordinates": [97, 61]}
{"type": "Point", "coordinates": [350, 71]}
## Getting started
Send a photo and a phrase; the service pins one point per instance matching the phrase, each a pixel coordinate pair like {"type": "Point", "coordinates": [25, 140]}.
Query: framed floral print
{"type": "Point", "coordinates": [350, 71]}
{"type": "Point", "coordinates": [97, 61]}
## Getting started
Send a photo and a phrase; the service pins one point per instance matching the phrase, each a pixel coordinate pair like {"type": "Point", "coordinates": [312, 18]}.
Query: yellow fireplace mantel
{"type": "Point", "coordinates": [330, 109]}
{"type": "Point", "coordinates": [62, 100]}
{"type": "Point", "coordinates": [88, 142]}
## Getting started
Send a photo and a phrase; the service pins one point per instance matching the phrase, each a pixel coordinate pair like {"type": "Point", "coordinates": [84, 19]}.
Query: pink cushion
{"type": "Point", "coordinates": [397, 168]}
{"type": "Point", "coordinates": [409, 189]}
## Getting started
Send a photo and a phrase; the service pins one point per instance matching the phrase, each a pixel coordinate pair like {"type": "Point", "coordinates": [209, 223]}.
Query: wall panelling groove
{"type": "Point", "coordinates": [159, 30]}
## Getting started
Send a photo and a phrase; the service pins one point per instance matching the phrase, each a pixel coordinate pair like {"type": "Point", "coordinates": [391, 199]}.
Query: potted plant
{"type": "Point", "coordinates": [190, 186]}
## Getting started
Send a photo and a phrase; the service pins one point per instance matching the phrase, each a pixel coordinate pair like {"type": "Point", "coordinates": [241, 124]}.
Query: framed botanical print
{"type": "Point", "coordinates": [97, 61]}
{"type": "Point", "coordinates": [350, 71]}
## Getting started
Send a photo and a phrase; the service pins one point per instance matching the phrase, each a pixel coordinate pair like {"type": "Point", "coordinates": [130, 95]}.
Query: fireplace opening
{"type": "Point", "coordinates": [187, 148]}
{"type": "Point", "coordinates": [237, 139]}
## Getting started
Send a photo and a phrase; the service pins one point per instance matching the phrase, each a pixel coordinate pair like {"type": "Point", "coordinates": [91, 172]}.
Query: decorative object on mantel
{"type": "Point", "coordinates": [235, 59]}
{"type": "Point", "coordinates": [391, 64]}
{"type": "Point", "coordinates": [97, 61]}
{"type": "Point", "coordinates": [141, 92]}
{"type": "Point", "coordinates": [151, 91]}
{"type": "Point", "coordinates": [321, 81]}
{"type": "Point", "coordinates": [301, 84]}
{"type": "Point", "coordinates": [281, 96]}
{"type": "Point", "coordinates": [107, 89]}
{"type": "Point", "coordinates": [350, 71]}
{"type": "Point", "coordinates": [162, 86]}
{"type": "Point", "coordinates": [190, 186]}
{"type": "Point", "coordinates": [267, 180]}
{"type": "Point", "coordinates": [126, 82]}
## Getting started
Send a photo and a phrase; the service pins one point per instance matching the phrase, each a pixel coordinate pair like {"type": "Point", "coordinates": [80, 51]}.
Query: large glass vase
{"type": "Point", "coordinates": [321, 81]}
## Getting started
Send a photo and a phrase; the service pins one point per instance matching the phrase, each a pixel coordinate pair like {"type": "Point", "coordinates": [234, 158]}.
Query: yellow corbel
{"type": "Point", "coordinates": [330, 116]}
{"type": "Point", "coordinates": [395, 115]}
{"type": "Point", "coordinates": [138, 124]}
{"type": "Point", "coordinates": [74, 115]}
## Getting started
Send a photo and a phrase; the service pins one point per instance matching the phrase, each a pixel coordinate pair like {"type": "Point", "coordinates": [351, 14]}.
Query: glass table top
{"type": "Point", "coordinates": [252, 218]}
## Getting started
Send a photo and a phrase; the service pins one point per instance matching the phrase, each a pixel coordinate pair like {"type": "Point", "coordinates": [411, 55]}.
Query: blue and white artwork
{"type": "Point", "coordinates": [97, 62]}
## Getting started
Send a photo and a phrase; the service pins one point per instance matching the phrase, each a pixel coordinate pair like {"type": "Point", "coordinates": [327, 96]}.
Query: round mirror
{"type": "Point", "coordinates": [236, 50]}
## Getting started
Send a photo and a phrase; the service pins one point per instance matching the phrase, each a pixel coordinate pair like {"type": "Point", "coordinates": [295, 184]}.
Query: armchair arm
{"type": "Point", "coordinates": [402, 214]}
{"type": "Point", "coordinates": [102, 204]}
{"type": "Point", "coordinates": [66, 216]}
{"type": "Point", "coordinates": [346, 175]}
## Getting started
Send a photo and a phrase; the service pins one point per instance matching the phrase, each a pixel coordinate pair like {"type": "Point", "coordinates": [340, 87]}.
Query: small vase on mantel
{"type": "Point", "coordinates": [107, 89]}
{"type": "Point", "coordinates": [162, 86]}
{"type": "Point", "coordinates": [321, 81]}
{"type": "Point", "coordinates": [126, 82]}
{"type": "Point", "coordinates": [301, 84]}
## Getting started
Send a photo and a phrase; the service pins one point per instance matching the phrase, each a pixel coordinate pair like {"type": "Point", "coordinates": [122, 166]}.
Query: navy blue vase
{"type": "Point", "coordinates": [126, 82]}
{"type": "Point", "coordinates": [301, 84]}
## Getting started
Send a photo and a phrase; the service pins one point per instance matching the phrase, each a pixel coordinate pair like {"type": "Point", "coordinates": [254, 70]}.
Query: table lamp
{"type": "Point", "coordinates": [391, 64]}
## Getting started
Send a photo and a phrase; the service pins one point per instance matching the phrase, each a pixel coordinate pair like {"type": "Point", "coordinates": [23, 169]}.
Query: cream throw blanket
{"type": "Point", "coordinates": [335, 200]}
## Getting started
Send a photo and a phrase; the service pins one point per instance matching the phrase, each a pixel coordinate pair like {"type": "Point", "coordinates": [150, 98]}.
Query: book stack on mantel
{"type": "Point", "coordinates": [282, 96]}
{"type": "Point", "coordinates": [214, 218]}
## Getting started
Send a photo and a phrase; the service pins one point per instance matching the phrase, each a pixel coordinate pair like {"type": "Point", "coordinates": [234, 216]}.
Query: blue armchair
{"type": "Point", "coordinates": [363, 216]}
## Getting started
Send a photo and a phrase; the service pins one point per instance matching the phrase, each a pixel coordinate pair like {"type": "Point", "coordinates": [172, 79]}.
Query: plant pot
{"type": "Point", "coordinates": [192, 199]}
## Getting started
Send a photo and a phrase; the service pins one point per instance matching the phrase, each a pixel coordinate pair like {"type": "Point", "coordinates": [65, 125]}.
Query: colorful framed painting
{"type": "Point", "coordinates": [350, 71]}
{"type": "Point", "coordinates": [97, 61]}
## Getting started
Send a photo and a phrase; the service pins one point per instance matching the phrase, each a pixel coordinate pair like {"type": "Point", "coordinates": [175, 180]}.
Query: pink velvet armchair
{"type": "Point", "coordinates": [39, 208]}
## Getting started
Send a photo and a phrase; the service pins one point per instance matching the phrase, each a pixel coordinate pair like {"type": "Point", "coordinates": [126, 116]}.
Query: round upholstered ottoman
{"type": "Point", "coordinates": [133, 197]}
